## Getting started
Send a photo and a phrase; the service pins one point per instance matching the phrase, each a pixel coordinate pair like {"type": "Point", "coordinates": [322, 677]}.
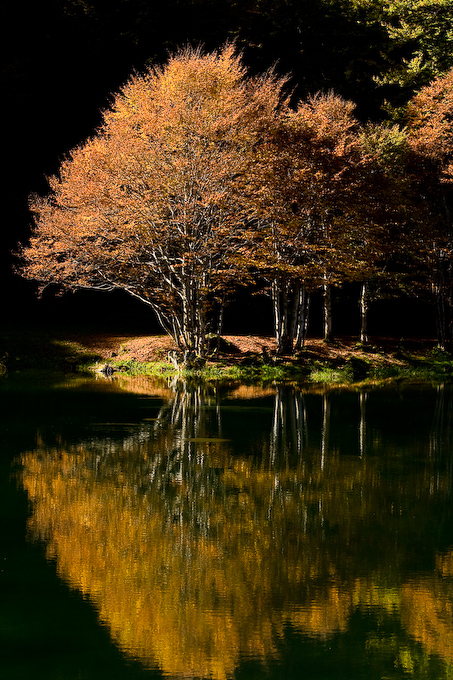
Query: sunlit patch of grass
{"type": "Point", "coordinates": [210, 372]}
{"type": "Point", "coordinates": [316, 373]}
{"type": "Point", "coordinates": [133, 367]}
{"type": "Point", "coordinates": [327, 374]}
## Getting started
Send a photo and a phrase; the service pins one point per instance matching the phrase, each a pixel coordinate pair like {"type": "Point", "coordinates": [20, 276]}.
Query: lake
{"type": "Point", "coordinates": [179, 530]}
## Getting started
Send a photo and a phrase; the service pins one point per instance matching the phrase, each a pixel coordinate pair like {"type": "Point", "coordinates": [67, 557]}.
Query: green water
{"type": "Point", "coordinates": [181, 531]}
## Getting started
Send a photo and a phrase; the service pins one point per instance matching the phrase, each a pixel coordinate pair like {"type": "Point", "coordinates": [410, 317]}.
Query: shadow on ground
{"type": "Point", "coordinates": [39, 349]}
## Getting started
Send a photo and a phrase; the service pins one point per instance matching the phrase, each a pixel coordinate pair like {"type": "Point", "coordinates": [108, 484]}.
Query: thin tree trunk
{"type": "Point", "coordinates": [296, 315]}
{"type": "Point", "coordinates": [285, 345]}
{"type": "Point", "coordinates": [302, 317]}
{"type": "Point", "coordinates": [200, 328]}
{"type": "Point", "coordinates": [220, 322]}
{"type": "Point", "coordinates": [275, 294]}
{"type": "Point", "coordinates": [327, 308]}
{"type": "Point", "coordinates": [443, 318]}
{"type": "Point", "coordinates": [280, 290]}
{"type": "Point", "coordinates": [363, 304]}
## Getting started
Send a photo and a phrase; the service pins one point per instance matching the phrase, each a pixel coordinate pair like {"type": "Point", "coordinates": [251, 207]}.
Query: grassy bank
{"type": "Point", "coordinates": [430, 365]}
{"type": "Point", "coordinates": [242, 358]}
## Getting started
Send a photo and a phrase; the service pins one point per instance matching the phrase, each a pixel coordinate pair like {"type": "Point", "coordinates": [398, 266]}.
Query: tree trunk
{"type": "Point", "coordinates": [363, 304]}
{"type": "Point", "coordinates": [327, 308]}
{"type": "Point", "coordinates": [193, 324]}
{"type": "Point", "coordinates": [286, 341]}
{"type": "Point", "coordinates": [443, 314]}
{"type": "Point", "coordinates": [291, 305]}
{"type": "Point", "coordinates": [276, 308]}
{"type": "Point", "coordinates": [280, 291]}
{"type": "Point", "coordinates": [220, 322]}
{"type": "Point", "coordinates": [301, 316]}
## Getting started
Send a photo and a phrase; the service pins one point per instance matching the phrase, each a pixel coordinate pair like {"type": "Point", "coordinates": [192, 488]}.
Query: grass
{"type": "Point", "coordinates": [211, 372]}
{"type": "Point", "coordinates": [433, 365]}
{"type": "Point", "coordinates": [326, 374]}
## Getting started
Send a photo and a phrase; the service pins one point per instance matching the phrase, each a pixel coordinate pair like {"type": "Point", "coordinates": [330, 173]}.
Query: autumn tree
{"type": "Point", "coordinates": [389, 235]}
{"type": "Point", "coordinates": [308, 177]}
{"type": "Point", "coordinates": [151, 204]}
{"type": "Point", "coordinates": [430, 118]}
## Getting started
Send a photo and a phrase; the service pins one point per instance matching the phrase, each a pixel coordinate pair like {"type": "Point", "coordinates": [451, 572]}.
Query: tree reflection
{"type": "Point", "coordinates": [196, 556]}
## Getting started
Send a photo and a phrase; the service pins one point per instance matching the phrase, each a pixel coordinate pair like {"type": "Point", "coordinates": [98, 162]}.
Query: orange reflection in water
{"type": "Point", "coordinates": [189, 604]}
{"type": "Point", "coordinates": [193, 582]}
{"type": "Point", "coordinates": [427, 609]}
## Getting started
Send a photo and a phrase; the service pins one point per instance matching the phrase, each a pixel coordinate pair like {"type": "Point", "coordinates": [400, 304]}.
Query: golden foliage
{"type": "Point", "coordinates": [429, 117]}
{"type": "Point", "coordinates": [151, 204]}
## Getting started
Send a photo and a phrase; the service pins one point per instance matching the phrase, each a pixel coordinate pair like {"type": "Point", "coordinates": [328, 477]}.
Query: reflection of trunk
{"type": "Point", "coordinates": [289, 424]}
{"type": "Point", "coordinates": [327, 308]}
{"type": "Point", "coordinates": [362, 423]}
{"type": "Point", "coordinates": [187, 414]}
{"type": "Point", "coordinates": [363, 304]}
{"type": "Point", "coordinates": [443, 414]}
{"type": "Point", "coordinates": [440, 436]}
{"type": "Point", "coordinates": [290, 302]}
{"type": "Point", "coordinates": [325, 428]}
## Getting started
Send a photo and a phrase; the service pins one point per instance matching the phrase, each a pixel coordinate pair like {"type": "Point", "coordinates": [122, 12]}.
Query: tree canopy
{"type": "Point", "coordinates": [151, 204]}
{"type": "Point", "coordinates": [203, 176]}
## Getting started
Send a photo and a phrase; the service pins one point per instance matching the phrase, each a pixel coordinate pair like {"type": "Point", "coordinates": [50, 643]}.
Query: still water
{"type": "Point", "coordinates": [154, 531]}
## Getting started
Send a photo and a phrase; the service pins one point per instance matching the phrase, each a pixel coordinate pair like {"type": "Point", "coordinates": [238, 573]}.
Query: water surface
{"type": "Point", "coordinates": [184, 531]}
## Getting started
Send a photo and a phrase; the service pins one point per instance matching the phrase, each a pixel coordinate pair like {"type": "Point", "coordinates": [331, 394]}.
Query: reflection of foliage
{"type": "Point", "coordinates": [427, 606]}
{"type": "Point", "coordinates": [196, 557]}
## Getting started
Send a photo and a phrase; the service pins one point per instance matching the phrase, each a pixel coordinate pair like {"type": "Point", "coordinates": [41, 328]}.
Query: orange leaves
{"type": "Point", "coordinates": [306, 176]}
{"type": "Point", "coordinates": [199, 175]}
{"type": "Point", "coordinates": [154, 202]}
{"type": "Point", "coordinates": [430, 117]}
{"type": "Point", "coordinates": [326, 119]}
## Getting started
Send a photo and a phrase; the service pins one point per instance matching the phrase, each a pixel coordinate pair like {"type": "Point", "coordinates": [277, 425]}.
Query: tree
{"type": "Point", "coordinates": [419, 49]}
{"type": "Point", "coordinates": [308, 184]}
{"type": "Point", "coordinates": [430, 116]}
{"type": "Point", "coordinates": [151, 204]}
{"type": "Point", "coordinates": [389, 237]}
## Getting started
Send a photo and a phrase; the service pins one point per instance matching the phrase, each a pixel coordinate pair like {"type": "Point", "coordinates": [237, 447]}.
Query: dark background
{"type": "Point", "coordinates": [63, 59]}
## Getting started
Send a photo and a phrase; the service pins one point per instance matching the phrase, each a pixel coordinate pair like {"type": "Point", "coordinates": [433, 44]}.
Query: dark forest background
{"type": "Point", "coordinates": [63, 59]}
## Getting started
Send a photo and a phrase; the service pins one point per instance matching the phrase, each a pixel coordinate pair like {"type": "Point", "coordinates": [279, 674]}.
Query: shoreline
{"type": "Point", "coordinates": [241, 357]}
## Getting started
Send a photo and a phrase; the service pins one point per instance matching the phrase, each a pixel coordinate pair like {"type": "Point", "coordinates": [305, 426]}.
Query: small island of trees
{"type": "Point", "coordinates": [203, 178]}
